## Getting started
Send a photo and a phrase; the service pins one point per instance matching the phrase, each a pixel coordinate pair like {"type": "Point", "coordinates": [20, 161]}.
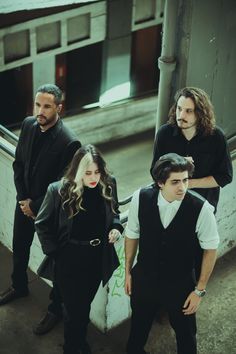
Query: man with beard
{"type": "Point", "coordinates": [45, 148]}
{"type": "Point", "coordinates": [191, 132]}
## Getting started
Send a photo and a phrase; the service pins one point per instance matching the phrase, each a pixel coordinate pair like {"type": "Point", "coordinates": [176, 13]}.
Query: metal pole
{"type": "Point", "coordinates": [166, 62]}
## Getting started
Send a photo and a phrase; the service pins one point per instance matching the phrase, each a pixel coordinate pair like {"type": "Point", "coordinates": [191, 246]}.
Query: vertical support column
{"type": "Point", "coordinates": [167, 61]}
{"type": "Point", "coordinates": [43, 71]}
{"type": "Point", "coordinates": [117, 48]}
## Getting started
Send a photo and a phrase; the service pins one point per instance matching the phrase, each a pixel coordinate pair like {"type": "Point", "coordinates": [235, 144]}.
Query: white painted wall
{"type": "Point", "coordinates": [19, 5]}
{"type": "Point", "coordinates": [226, 216]}
{"type": "Point", "coordinates": [111, 305]}
{"type": "Point", "coordinates": [7, 197]}
{"type": "Point", "coordinates": [43, 71]}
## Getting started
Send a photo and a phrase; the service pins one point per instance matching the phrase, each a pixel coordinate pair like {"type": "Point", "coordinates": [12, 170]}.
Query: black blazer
{"type": "Point", "coordinates": [50, 164]}
{"type": "Point", "coordinates": [53, 227]}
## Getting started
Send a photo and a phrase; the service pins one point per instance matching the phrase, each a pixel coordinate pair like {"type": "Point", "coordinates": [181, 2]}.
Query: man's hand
{"type": "Point", "coordinates": [191, 304]}
{"type": "Point", "coordinates": [204, 182]}
{"type": "Point", "coordinates": [190, 159]}
{"type": "Point", "coordinates": [128, 281]}
{"type": "Point", "coordinates": [25, 208]}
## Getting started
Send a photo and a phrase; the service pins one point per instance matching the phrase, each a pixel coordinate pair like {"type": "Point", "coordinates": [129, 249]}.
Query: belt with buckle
{"type": "Point", "coordinates": [95, 242]}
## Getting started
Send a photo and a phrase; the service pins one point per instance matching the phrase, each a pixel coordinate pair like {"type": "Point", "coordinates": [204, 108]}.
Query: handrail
{"type": "Point", "coordinates": [7, 150]}
{"type": "Point", "coordinates": [8, 133]}
{"type": "Point", "coordinates": [232, 146]}
{"type": "Point", "coordinates": [125, 201]}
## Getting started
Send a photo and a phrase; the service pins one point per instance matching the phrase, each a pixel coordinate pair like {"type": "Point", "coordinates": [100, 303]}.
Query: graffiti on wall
{"type": "Point", "coordinates": [119, 275]}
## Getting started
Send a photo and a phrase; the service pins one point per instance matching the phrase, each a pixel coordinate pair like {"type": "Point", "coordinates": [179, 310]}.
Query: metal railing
{"type": "Point", "coordinates": [232, 146]}
{"type": "Point", "coordinates": [7, 133]}
{"type": "Point", "coordinates": [124, 215]}
{"type": "Point", "coordinates": [7, 149]}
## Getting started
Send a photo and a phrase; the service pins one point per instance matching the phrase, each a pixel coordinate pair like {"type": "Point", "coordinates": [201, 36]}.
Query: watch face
{"type": "Point", "coordinates": [200, 293]}
{"type": "Point", "coordinates": [203, 292]}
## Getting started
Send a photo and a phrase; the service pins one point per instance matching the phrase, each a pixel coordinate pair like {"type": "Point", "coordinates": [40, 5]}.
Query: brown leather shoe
{"type": "Point", "coordinates": [11, 294]}
{"type": "Point", "coordinates": [47, 323]}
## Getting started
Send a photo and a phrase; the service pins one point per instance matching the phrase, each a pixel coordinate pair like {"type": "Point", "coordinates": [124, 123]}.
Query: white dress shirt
{"type": "Point", "coordinates": [206, 228]}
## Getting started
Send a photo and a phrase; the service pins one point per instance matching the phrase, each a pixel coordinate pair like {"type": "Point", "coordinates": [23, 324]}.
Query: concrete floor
{"type": "Point", "coordinates": [216, 316]}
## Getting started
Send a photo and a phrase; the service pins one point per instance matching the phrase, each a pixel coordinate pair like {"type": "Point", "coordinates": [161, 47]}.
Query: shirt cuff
{"type": "Point", "coordinates": [118, 227]}
{"type": "Point", "coordinates": [131, 234]}
{"type": "Point", "coordinates": [210, 245]}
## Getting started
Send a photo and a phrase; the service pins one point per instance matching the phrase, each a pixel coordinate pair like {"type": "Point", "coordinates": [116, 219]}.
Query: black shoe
{"type": "Point", "coordinates": [85, 349]}
{"type": "Point", "coordinates": [47, 323]}
{"type": "Point", "coordinates": [11, 294]}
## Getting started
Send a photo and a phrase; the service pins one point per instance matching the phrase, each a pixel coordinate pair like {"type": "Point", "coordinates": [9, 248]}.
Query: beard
{"type": "Point", "coordinates": [45, 122]}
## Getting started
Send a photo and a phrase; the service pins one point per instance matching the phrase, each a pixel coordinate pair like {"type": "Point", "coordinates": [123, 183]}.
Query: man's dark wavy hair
{"type": "Point", "coordinates": [203, 109]}
{"type": "Point", "coordinates": [169, 163]}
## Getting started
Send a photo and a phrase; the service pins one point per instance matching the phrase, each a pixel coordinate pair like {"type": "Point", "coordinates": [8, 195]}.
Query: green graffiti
{"type": "Point", "coordinates": [119, 274]}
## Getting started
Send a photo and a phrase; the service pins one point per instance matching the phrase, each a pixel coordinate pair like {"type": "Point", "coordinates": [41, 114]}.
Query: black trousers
{"type": "Point", "coordinates": [148, 294]}
{"type": "Point", "coordinates": [23, 234]}
{"type": "Point", "coordinates": [78, 275]}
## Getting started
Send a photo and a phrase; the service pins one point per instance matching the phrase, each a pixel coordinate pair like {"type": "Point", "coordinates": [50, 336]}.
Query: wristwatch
{"type": "Point", "coordinates": [200, 293]}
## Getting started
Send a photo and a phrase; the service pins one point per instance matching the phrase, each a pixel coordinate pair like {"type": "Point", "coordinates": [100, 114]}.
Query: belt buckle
{"type": "Point", "coordinates": [95, 242]}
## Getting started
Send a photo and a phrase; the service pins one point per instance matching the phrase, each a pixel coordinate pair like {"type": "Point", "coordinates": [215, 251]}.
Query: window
{"type": "Point", "coordinates": [16, 95]}
{"type": "Point", "coordinates": [79, 74]}
{"type": "Point", "coordinates": [78, 28]}
{"type": "Point", "coordinates": [146, 48]}
{"type": "Point", "coordinates": [145, 10]}
{"type": "Point", "coordinates": [48, 37]}
{"type": "Point", "coordinates": [16, 46]}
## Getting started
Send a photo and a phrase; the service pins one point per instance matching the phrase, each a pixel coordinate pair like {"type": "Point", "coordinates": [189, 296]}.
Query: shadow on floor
{"type": "Point", "coordinates": [216, 319]}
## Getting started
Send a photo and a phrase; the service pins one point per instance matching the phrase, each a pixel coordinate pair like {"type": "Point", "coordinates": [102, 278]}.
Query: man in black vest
{"type": "Point", "coordinates": [167, 222]}
{"type": "Point", "coordinates": [45, 148]}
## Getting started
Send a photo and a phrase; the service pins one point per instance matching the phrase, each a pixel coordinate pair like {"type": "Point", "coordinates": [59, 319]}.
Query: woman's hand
{"type": "Point", "coordinates": [114, 235]}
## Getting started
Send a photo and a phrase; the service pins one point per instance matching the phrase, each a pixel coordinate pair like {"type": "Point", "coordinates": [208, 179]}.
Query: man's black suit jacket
{"type": "Point", "coordinates": [50, 164]}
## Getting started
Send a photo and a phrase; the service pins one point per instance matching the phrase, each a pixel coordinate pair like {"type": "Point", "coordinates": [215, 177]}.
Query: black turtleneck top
{"type": "Point", "coordinates": [90, 223]}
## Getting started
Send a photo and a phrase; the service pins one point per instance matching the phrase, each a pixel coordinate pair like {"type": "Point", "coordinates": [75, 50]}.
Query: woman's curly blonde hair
{"type": "Point", "coordinates": [72, 183]}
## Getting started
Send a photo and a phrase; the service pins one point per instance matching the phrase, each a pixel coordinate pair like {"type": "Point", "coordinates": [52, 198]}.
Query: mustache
{"type": "Point", "coordinates": [41, 116]}
{"type": "Point", "coordinates": [182, 120]}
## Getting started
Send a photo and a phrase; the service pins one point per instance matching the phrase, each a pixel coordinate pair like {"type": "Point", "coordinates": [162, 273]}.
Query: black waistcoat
{"type": "Point", "coordinates": [167, 253]}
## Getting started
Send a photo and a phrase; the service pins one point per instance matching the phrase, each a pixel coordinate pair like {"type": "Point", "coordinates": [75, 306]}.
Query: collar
{"type": "Point", "coordinates": [177, 132]}
{"type": "Point", "coordinates": [162, 202]}
{"type": "Point", "coordinates": [54, 129]}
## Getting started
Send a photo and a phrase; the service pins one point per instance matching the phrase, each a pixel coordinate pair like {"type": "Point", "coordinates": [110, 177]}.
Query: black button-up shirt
{"type": "Point", "coordinates": [210, 154]}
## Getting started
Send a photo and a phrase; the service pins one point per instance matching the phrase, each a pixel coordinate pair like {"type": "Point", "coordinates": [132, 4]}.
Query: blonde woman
{"type": "Point", "coordinates": [77, 225]}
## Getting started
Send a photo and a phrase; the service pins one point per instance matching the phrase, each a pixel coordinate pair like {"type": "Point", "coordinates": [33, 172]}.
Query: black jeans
{"type": "Point", "coordinates": [147, 295]}
{"type": "Point", "coordinates": [23, 234]}
{"type": "Point", "coordinates": [78, 275]}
